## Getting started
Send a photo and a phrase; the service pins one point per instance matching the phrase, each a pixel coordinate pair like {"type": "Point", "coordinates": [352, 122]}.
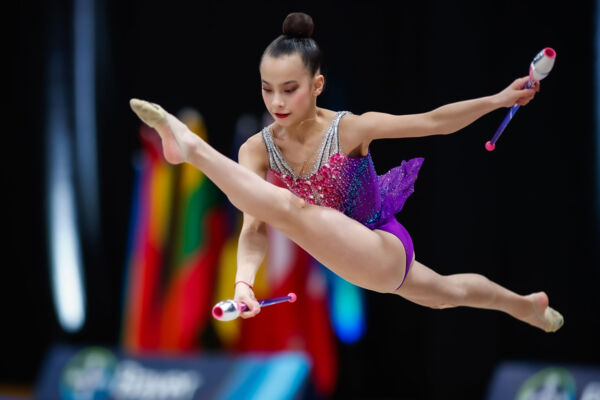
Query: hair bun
{"type": "Point", "coordinates": [298, 25]}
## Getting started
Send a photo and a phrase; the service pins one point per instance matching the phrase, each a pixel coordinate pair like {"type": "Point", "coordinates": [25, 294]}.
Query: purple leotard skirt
{"type": "Point", "coordinates": [394, 227]}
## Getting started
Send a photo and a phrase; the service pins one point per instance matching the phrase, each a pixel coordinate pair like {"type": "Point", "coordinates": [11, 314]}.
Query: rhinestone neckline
{"type": "Point", "coordinates": [283, 166]}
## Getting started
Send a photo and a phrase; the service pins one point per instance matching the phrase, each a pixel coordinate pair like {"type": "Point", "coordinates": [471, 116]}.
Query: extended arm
{"type": "Point", "coordinates": [252, 247]}
{"type": "Point", "coordinates": [252, 243]}
{"type": "Point", "coordinates": [443, 120]}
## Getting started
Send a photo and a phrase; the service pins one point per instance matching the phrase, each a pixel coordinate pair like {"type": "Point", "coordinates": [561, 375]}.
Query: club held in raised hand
{"type": "Point", "coordinates": [539, 68]}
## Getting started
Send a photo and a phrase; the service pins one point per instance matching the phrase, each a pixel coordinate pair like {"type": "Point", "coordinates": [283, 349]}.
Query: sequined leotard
{"type": "Point", "coordinates": [351, 185]}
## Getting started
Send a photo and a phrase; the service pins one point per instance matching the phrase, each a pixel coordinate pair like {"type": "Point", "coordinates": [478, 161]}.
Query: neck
{"type": "Point", "coordinates": [305, 128]}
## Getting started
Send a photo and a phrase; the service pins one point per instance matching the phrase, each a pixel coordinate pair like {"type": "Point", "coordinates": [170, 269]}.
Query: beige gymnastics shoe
{"type": "Point", "coordinates": [152, 114]}
{"type": "Point", "coordinates": [554, 320]}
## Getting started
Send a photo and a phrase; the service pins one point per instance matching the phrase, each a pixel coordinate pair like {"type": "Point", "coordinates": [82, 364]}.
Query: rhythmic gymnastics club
{"type": "Point", "coordinates": [539, 68]}
{"type": "Point", "coordinates": [228, 310]}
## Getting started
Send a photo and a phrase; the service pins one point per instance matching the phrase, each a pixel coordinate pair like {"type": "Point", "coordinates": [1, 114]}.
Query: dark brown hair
{"type": "Point", "coordinates": [296, 38]}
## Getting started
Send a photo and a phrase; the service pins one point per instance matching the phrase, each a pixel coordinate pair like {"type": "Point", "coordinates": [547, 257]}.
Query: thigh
{"type": "Point", "coordinates": [372, 259]}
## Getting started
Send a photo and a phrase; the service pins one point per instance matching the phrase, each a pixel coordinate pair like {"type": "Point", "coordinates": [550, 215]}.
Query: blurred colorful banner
{"type": "Point", "coordinates": [177, 232]}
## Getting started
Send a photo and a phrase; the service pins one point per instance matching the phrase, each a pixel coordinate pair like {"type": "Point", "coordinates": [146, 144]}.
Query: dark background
{"type": "Point", "coordinates": [524, 215]}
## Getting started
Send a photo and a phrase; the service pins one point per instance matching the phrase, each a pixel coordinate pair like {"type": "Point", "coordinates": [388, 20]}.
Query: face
{"type": "Point", "coordinates": [288, 89]}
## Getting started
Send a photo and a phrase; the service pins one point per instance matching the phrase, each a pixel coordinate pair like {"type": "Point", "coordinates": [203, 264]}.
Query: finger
{"type": "Point", "coordinates": [526, 92]}
{"type": "Point", "coordinates": [523, 101]}
{"type": "Point", "coordinates": [526, 98]}
{"type": "Point", "coordinates": [250, 313]}
{"type": "Point", "coordinates": [252, 304]}
{"type": "Point", "coordinates": [520, 82]}
{"type": "Point", "coordinates": [247, 314]}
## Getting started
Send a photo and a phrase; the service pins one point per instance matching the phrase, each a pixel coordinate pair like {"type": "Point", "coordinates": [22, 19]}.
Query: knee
{"type": "Point", "coordinates": [293, 202]}
{"type": "Point", "coordinates": [287, 206]}
{"type": "Point", "coordinates": [454, 294]}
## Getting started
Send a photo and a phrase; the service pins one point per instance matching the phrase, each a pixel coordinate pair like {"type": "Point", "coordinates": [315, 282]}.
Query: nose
{"type": "Point", "coordinates": [277, 101]}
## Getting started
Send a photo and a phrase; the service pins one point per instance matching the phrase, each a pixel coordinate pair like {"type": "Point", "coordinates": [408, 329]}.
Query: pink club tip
{"type": "Point", "coordinates": [489, 146]}
{"type": "Point", "coordinates": [217, 312]}
{"type": "Point", "coordinates": [292, 297]}
{"type": "Point", "coordinates": [549, 52]}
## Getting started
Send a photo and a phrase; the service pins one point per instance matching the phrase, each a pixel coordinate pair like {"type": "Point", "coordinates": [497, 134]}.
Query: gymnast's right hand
{"type": "Point", "coordinates": [243, 294]}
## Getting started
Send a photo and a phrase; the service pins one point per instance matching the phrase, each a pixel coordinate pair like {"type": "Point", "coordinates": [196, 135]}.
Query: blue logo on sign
{"type": "Point", "coordinates": [548, 384]}
{"type": "Point", "coordinates": [88, 375]}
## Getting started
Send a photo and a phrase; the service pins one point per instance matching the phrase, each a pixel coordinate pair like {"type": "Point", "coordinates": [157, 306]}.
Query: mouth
{"type": "Point", "coordinates": [278, 115]}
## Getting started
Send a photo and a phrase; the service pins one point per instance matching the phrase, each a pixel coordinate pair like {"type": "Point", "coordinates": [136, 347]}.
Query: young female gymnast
{"type": "Point", "coordinates": [336, 207]}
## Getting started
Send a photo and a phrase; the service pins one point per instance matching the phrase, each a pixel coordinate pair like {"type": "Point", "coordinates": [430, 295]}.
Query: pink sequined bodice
{"type": "Point", "coordinates": [347, 184]}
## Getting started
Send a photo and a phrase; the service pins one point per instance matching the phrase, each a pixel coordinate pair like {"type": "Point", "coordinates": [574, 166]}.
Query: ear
{"type": "Point", "coordinates": [318, 84]}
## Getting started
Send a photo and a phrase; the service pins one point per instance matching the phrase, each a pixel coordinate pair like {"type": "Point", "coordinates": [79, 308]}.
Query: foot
{"type": "Point", "coordinates": [542, 315]}
{"type": "Point", "coordinates": [170, 129]}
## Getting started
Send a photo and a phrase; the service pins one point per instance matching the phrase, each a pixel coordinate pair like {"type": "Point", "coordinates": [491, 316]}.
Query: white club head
{"type": "Point", "coordinates": [542, 64]}
{"type": "Point", "coordinates": [226, 310]}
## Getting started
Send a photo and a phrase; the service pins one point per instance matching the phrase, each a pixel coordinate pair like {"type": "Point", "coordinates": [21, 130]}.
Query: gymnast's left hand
{"type": "Point", "coordinates": [516, 93]}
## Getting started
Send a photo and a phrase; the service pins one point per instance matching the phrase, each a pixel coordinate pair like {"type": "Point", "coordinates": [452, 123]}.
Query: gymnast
{"type": "Point", "coordinates": [330, 201]}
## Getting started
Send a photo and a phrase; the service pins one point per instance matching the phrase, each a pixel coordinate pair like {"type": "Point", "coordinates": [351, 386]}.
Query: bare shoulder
{"type": "Point", "coordinates": [358, 123]}
{"type": "Point", "coordinates": [352, 132]}
{"type": "Point", "coordinates": [253, 154]}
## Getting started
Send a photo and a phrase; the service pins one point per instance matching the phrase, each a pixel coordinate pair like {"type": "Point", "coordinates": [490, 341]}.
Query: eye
{"type": "Point", "coordinates": [266, 90]}
{"type": "Point", "coordinates": [290, 90]}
